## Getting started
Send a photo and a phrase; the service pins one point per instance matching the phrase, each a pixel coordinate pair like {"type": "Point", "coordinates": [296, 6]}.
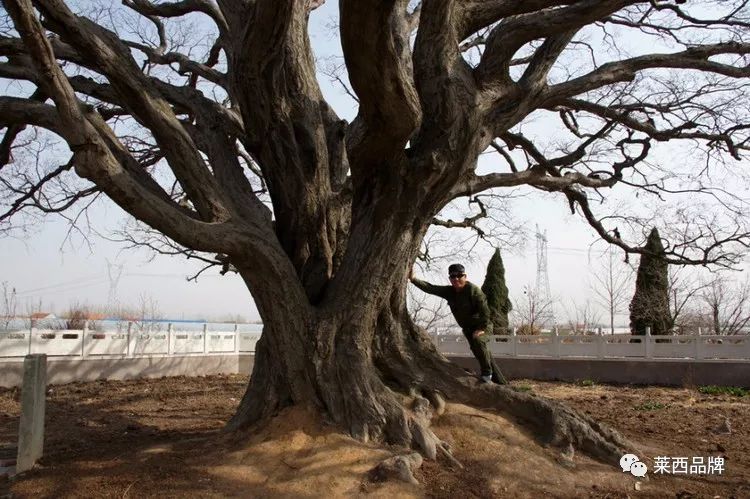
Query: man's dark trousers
{"type": "Point", "coordinates": [479, 348]}
{"type": "Point", "coordinates": [482, 353]}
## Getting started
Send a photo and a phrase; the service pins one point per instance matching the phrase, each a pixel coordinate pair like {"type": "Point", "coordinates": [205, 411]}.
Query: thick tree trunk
{"type": "Point", "coordinates": [360, 360]}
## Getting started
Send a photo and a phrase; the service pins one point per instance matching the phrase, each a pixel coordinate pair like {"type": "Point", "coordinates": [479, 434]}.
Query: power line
{"type": "Point", "coordinates": [572, 251]}
{"type": "Point", "coordinates": [182, 276]}
{"type": "Point", "coordinates": [89, 281]}
{"type": "Point", "coordinates": [60, 284]}
{"type": "Point", "coordinates": [67, 289]}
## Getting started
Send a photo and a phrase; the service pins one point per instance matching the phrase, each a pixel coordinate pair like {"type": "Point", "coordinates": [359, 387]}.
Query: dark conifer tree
{"type": "Point", "coordinates": [495, 289]}
{"type": "Point", "coordinates": [650, 304]}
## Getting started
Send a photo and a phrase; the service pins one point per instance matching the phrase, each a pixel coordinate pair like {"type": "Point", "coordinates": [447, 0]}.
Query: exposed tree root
{"type": "Point", "coordinates": [446, 450]}
{"type": "Point", "coordinates": [423, 438]}
{"type": "Point", "coordinates": [556, 424]}
{"type": "Point", "coordinates": [436, 400]}
{"type": "Point", "coordinates": [266, 393]}
{"type": "Point", "coordinates": [419, 369]}
{"type": "Point", "coordinates": [415, 362]}
{"type": "Point", "coordinates": [399, 467]}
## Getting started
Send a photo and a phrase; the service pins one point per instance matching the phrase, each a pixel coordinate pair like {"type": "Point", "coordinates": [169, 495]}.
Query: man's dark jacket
{"type": "Point", "coordinates": [469, 306]}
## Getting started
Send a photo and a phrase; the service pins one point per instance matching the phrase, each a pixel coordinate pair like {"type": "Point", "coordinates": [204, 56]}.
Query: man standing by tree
{"type": "Point", "coordinates": [469, 307]}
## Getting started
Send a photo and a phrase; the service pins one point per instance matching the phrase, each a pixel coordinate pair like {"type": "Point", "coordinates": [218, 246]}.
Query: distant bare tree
{"type": "Point", "coordinates": [34, 307]}
{"type": "Point", "coordinates": [612, 285]}
{"type": "Point", "coordinates": [10, 304]}
{"type": "Point", "coordinates": [684, 289]}
{"type": "Point", "coordinates": [728, 305]}
{"type": "Point", "coordinates": [432, 315]}
{"type": "Point", "coordinates": [144, 317]}
{"type": "Point", "coordinates": [78, 314]}
{"type": "Point", "coordinates": [583, 318]}
{"type": "Point", "coordinates": [530, 309]}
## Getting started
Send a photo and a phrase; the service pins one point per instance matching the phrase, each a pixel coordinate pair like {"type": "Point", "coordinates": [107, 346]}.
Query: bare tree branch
{"type": "Point", "coordinates": [180, 8]}
{"type": "Point", "coordinates": [479, 14]}
{"type": "Point", "coordinates": [91, 150]}
{"type": "Point", "coordinates": [468, 222]}
{"type": "Point", "coordinates": [625, 70]}
{"type": "Point", "coordinates": [514, 32]}
{"type": "Point", "coordinates": [105, 50]}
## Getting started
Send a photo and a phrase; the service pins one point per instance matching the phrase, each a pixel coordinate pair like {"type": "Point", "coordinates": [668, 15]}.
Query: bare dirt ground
{"type": "Point", "coordinates": [163, 438]}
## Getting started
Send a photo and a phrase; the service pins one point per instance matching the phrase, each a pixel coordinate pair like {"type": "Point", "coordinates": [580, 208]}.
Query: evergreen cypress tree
{"type": "Point", "coordinates": [650, 304]}
{"type": "Point", "coordinates": [497, 294]}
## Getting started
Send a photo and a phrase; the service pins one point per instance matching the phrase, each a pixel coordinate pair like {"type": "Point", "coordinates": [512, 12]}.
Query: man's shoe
{"type": "Point", "coordinates": [485, 379]}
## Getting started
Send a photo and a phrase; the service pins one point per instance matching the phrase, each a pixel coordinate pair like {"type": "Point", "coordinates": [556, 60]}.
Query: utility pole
{"type": "Point", "coordinates": [114, 272]}
{"type": "Point", "coordinates": [546, 314]}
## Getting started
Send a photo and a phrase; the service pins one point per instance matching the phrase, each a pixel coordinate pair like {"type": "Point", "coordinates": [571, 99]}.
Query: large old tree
{"type": "Point", "coordinates": [234, 151]}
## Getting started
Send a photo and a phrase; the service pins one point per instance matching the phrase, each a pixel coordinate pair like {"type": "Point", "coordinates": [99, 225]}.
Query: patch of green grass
{"type": "Point", "coordinates": [522, 388]}
{"type": "Point", "coordinates": [586, 382]}
{"type": "Point", "coordinates": [723, 390]}
{"type": "Point", "coordinates": [650, 405]}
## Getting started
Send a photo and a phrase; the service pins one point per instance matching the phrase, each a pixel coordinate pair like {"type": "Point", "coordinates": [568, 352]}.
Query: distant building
{"type": "Point", "coordinates": [38, 316]}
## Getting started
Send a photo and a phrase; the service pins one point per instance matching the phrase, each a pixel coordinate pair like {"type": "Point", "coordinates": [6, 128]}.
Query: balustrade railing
{"type": "Point", "coordinates": [127, 342]}
{"type": "Point", "coordinates": [131, 342]}
{"type": "Point", "coordinates": [697, 347]}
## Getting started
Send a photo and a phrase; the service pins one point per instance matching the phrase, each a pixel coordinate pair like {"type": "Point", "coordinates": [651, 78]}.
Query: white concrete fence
{"type": "Point", "coordinates": [130, 343]}
{"type": "Point", "coordinates": [648, 347]}
{"type": "Point", "coordinates": [82, 344]}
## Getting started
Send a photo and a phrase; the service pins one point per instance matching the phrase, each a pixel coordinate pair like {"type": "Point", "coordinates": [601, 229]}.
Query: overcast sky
{"type": "Point", "coordinates": [50, 268]}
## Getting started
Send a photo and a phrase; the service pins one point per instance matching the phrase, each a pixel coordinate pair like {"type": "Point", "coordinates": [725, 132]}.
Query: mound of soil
{"type": "Point", "coordinates": [163, 438]}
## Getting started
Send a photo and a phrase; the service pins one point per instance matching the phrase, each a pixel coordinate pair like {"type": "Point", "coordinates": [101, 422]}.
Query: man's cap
{"type": "Point", "coordinates": [456, 268]}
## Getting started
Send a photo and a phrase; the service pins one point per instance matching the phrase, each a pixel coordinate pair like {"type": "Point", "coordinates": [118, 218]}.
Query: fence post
{"type": "Point", "coordinates": [600, 346]}
{"type": "Point", "coordinates": [131, 340]}
{"type": "Point", "coordinates": [697, 347]}
{"type": "Point", "coordinates": [205, 338]}
{"type": "Point", "coordinates": [83, 337]}
{"type": "Point", "coordinates": [236, 339]}
{"type": "Point", "coordinates": [170, 346]}
{"type": "Point", "coordinates": [699, 331]}
{"type": "Point", "coordinates": [31, 334]}
{"type": "Point", "coordinates": [33, 398]}
{"type": "Point", "coordinates": [555, 343]}
{"type": "Point", "coordinates": [647, 341]}
{"type": "Point", "coordinates": [514, 340]}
